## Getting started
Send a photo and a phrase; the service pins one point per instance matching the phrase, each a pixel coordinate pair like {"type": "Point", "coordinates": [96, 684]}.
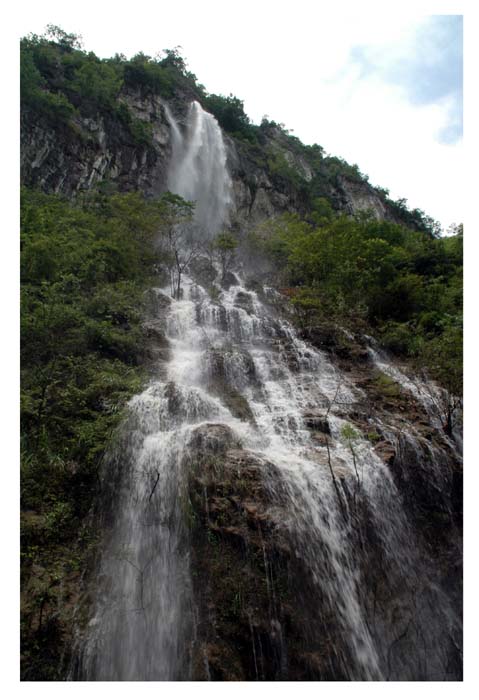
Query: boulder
{"type": "Point", "coordinates": [213, 439]}
{"type": "Point", "coordinates": [244, 301]}
{"type": "Point", "coordinates": [243, 562]}
{"type": "Point", "coordinates": [317, 422]}
{"type": "Point", "coordinates": [228, 280]}
{"type": "Point", "coordinates": [252, 285]}
{"type": "Point", "coordinates": [156, 347]}
{"type": "Point", "coordinates": [203, 271]}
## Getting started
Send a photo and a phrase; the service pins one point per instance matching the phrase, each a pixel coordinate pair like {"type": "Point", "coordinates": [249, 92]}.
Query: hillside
{"type": "Point", "coordinates": [241, 393]}
{"type": "Point", "coordinates": [86, 120]}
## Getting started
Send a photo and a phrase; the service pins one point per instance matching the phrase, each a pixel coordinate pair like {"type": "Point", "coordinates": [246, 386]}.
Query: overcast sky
{"type": "Point", "coordinates": [379, 90]}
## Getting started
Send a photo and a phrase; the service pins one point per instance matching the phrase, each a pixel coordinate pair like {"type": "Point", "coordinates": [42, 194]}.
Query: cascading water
{"type": "Point", "coordinates": [433, 398]}
{"type": "Point", "coordinates": [144, 622]}
{"type": "Point", "coordinates": [198, 172]}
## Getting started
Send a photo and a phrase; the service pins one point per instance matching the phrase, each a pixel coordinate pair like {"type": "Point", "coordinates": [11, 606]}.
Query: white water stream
{"type": "Point", "coordinates": [143, 626]}
{"type": "Point", "coordinates": [198, 172]}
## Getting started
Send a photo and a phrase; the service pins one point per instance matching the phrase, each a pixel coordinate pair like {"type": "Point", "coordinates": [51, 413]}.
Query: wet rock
{"type": "Point", "coordinates": [186, 403]}
{"type": "Point", "coordinates": [231, 366]}
{"type": "Point", "coordinates": [175, 400]}
{"type": "Point", "coordinates": [320, 438]}
{"type": "Point", "coordinates": [228, 280]}
{"type": "Point", "coordinates": [253, 621]}
{"type": "Point", "coordinates": [212, 438]}
{"type": "Point", "coordinates": [386, 451]}
{"type": "Point", "coordinates": [244, 301]}
{"type": "Point", "coordinates": [317, 422]}
{"type": "Point", "coordinates": [203, 271]}
{"type": "Point", "coordinates": [333, 339]}
{"type": "Point", "coordinates": [253, 285]}
{"type": "Point", "coordinates": [290, 357]}
{"type": "Point", "coordinates": [228, 371]}
{"type": "Point", "coordinates": [215, 662]}
{"type": "Point", "coordinates": [423, 476]}
{"type": "Point", "coordinates": [156, 348]}
{"type": "Point", "coordinates": [238, 405]}
{"type": "Point", "coordinates": [154, 330]}
{"type": "Point", "coordinates": [215, 358]}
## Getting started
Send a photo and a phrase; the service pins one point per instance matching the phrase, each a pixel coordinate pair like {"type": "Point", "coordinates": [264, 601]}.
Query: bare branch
{"type": "Point", "coordinates": [335, 483]}
{"type": "Point", "coordinates": [155, 485]}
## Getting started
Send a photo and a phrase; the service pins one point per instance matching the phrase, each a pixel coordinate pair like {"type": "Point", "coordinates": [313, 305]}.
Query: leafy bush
{"type": "Point", "coordinates": [144, 72]}
{"type": "Point", "coordinates": [404, 284]}
{"type": "Point", "coordinates": [84, 269]}
{"type": "Point", "coordinates": [279, 166]}
{"type": "Point", "coordinates": [397, 337]}
{"type": "Point", "coordinates": [229, 111]}
{"type": "Point", "coordinates": [386, 386]}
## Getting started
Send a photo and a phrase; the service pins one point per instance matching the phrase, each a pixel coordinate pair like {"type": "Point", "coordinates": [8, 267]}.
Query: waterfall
{"type": "Point", "coordinates": [143, 627]}
{"type": "Point", "coordinates": [342, 514]}
{"type": "Point", "coordinates": [198, 168]}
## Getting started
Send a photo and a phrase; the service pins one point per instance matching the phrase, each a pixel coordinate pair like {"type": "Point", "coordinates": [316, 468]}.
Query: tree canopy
{"type": "Point", "coordinates": [404, 285]}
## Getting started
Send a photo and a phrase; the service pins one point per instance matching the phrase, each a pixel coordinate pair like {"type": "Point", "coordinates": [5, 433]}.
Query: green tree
{"type": "Point", "coordinates": [229, 111]}
{"type": "Point", "coordinates": [225, 245]}
{"type": "Point", "coordinates": [177, 232]}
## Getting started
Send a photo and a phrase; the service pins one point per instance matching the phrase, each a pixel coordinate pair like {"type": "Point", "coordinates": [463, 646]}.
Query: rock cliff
{"type": "Point", "coordinates": [102, 150]}
{"type": "Point", "coordinates": [281, 500]}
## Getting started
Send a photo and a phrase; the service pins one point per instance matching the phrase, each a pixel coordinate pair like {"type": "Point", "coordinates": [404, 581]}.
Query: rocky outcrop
{"type": "Point", "coordinates": [76, 157]}
{"type": "Point", "coordinates": [203, 271]}
{"type": "Point", "coordinates": [258, 619]}
{"type": "Point", "coordinates": [129, 149]}
{"type": "Point", "coordinates": [360, 196]}
{"type": "Point", "coordinates": [227, 371]}
{"type": "Point", "coordinates": [255, 195]}
{"type": "Point", "coordinates": [424, 463]}
{"type": "Point", "coordinates": [317, 421]}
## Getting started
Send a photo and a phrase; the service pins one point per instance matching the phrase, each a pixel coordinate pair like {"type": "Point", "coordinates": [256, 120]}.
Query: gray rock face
{"type": "Point", "coordinates": [361, 197]}
{"type": "Point", "coordinates": [244, 301]}
{"type": "Point", "coordinates": [317, 421]}
{"type": "Point", "coordinates": [74, 158]}
{"type": "Point", "coordinates": [255, 196]}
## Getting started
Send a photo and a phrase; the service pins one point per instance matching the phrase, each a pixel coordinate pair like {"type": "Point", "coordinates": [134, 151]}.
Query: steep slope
{"type": "Point", "coordinates": [281, 500]}
{"type": "Point", "coordinates": [86, 121]}
{"type": "Point", "coordinates": [275, 516]}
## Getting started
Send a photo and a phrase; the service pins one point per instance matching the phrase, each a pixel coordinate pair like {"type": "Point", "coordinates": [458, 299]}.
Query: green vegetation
{"type": "Point", "coordinates": [84, 271]}
{"type": "Point", "coordinates": [60, 82]}
{"type": "Point", "coordinates": [279, 167]}
{"type": "Point", "coordinates": [225, 246]}
{"type": "Point", "coordinates": [386, 386]}
{"type": "Point", "coordinates": [229, 111]}
{"type": "Point", "coordinates": [85, 267]}
{"type": "Point", "coordinates": [403, 285]}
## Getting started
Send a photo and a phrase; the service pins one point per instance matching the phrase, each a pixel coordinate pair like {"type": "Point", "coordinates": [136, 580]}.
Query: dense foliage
{"type": "Point", "coordinates": [61, 82]}
{"type": "Point", "coordinates": [404, 285]}
{"type": "Point", "coordinates": [229, 111]}
{"type": "Point", "coordinates": [84, 270]}
{"type": "Point", "coordinates": [85, 267]}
